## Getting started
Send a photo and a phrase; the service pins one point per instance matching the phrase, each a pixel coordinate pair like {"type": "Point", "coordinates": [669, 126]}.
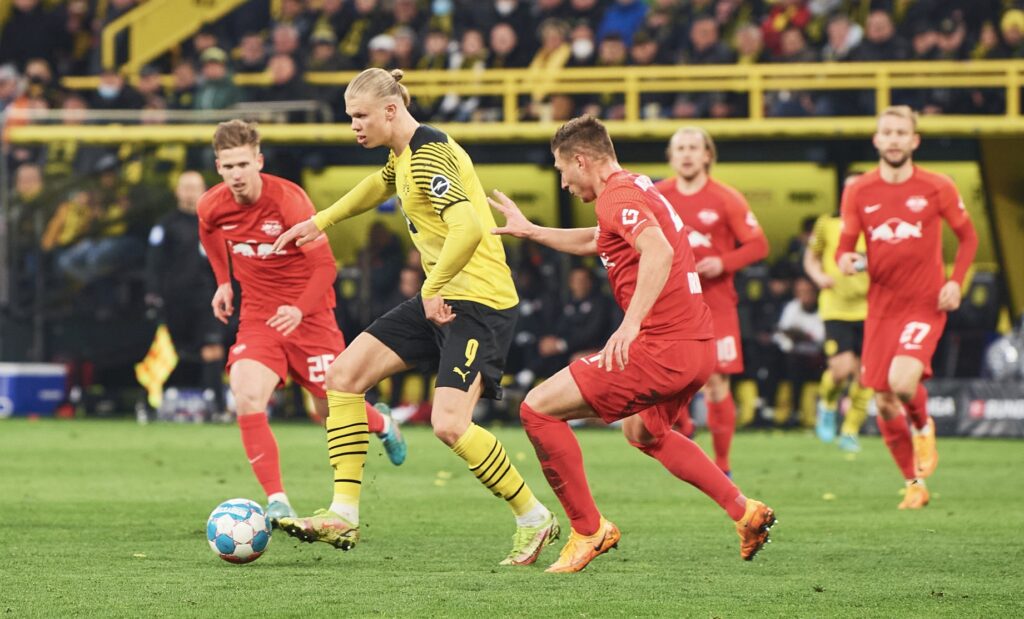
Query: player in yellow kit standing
{"type": "Point", "coordinates": [843, 305]}
{"type": "Point", "coordinates": [460, 325]}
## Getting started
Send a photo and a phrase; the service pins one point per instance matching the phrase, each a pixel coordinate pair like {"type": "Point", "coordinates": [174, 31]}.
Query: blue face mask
{"type": "Point", "coordinates": [442, 8]}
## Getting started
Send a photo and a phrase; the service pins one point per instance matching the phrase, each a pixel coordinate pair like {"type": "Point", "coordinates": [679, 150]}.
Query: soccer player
{"type": "Point", "coordinates": [287, 323]}
{"type": "Point", "coordinates": [842, 304]}
{"type": "Point", "coordinates": [725, 237]}
{"type": "Point", "coordinates": [899, 207]}
{"type": "Point", "coordinates": [459, 326]}
{"type": "Point", "coordinates": [650, 367]}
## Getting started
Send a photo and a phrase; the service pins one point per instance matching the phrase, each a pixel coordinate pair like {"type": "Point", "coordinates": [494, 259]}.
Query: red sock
{"type": "Point", "coordinates": [722, 425]}
{"type": "Point", "coordinates": [374, 419]}
{"type": "Point", "coordinates": [261, 448]}
{"type": "Point", "coordinates": [917, 407]}
{"type": "Point", "coordinates": [896, 433]}
{"type": "Point", "coordinates": [687, 461]}
{"type": "Point", "coordinates": [562, 463]}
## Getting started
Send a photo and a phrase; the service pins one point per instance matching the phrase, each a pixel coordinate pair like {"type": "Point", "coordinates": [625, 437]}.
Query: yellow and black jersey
{"type": "Point", "coordinates": [429, 177]}
{"type": "Point", "coordinates": [847, 298]}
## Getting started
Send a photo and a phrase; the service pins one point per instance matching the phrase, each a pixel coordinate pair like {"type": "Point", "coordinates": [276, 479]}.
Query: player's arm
{"type": "Point", "coordinates": [655, 266]}
{"type": "Point", "coordinates": [320, 266]}
{"type": "Point", "coordinates": [752, 242]}
{"type": "Point", "coordinates": [953, 211]}
{"type": "Point", "coordinates": [813, 265]}
{"type": "Point", "coordinates": [217, 252]}
{"type": "Point", "coordinates": [578, 241]}
{"type": "Point", "coordinates": [846, 255]}
{"type": "Point", "coordinates": [370, 192]}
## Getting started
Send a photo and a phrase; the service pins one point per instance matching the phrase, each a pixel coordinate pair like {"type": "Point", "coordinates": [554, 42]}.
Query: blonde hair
{"type": "Point", "coordinates": [235, 133]}
{"type": "Point", "coordinates": [583, 135]}
{"type": "Point", "coordinates": [709, 143]}
{"type": "Point", "coordinates": [378, 84]}
{"type": "Point", "coordinates": [901, 111]}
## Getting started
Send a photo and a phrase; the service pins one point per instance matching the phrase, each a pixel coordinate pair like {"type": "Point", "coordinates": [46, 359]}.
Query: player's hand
{"type": "Point", "coordinates": [516, 224]}
{"type": "Point", "coordinates": [223, 302]}
{"type": "Point", "coordinates": [824, 282]}
{"type": "Point", "coordinates": [848, 263]}
{"type": "Point", "coordinates": [437, 311]}
{"type": "Point", "coordinates": [301, 233]}
{"type": "Point", "coordinates": [949, 297]}
{"type": "Point", "coordinates": [286, 319]}
{"type": "Point", "coordinates": [710, 267]}
{"type": "Point", "coordinates": [616, 350]}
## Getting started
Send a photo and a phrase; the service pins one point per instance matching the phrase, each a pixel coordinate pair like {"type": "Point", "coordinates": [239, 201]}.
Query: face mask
{"type": "Point", "coordinates": [108, 92]}
{"type": "Point", "coordinates": [442, 7]}
{"type": "Point", "coordinates": [504, 7]}
{"type": "Point", "coordinates": [582, 48]}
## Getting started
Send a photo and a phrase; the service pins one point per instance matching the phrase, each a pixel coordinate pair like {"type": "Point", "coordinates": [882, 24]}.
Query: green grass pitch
{"type": "Point", "coordinates": [106, 519]}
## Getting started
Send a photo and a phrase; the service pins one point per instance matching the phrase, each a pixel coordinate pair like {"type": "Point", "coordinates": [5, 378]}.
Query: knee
{"type": "Point", "coordinates": [902, 390]}
{"type": "Point", "coordinates": [340, 377]}
{"type": "Point", "coordinates": [248, 400]}
{"type": "Point", "coordinates": [889, 406]}
{"type": "Point", "coordinates": [447, 428]}
{"type": "Point", "coordinates": [840, 368]}
{"type": "Point", "coordinates": [637, 434]}
{"type": "Point", "coordinates": [717, 387]}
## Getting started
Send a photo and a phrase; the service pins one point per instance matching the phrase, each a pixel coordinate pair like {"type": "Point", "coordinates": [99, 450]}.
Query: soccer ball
{"type": "Point", "coordinates": [238, 531]}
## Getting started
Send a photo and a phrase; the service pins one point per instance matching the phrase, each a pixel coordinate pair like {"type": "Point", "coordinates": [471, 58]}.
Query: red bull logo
{"type": "Point", "coordinates": [895, 230]}
{"type": "Point", "coordinates": [698, 240]}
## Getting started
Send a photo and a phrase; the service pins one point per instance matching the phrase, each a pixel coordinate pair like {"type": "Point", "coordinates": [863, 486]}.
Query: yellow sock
{"type": "Point", "coordinates": [348, 437]}
{"type": "Point", "coordinates": [486, 458]}
{"type": "Point", "coordinates": [829, 391]}
{"type": "Point", "coordinates": [857, 414]}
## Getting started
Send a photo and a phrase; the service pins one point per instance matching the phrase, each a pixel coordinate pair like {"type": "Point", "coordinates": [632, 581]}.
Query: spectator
{"type": "Point", "coordinates": [407, 13]}
{"type": "Point", "coordinates": [26, 218]}
{"type": "Point", "coordinates": [589, 11]}
{"type": "Point", "coordinates": [611, 53]}
{"type": "Point", "coordinates": [544, 10]}
{"type": "Point", "coordinates": [252, 54]}
{"type": "Point", "coordinates": [880, 42]}
{"type": "Point", "coordinates": [952, 39]}
{"type": "Point", "coordinates": [705, 48]}
{"type": "Point", "coordinates": [324, 56]}
{"type": "Point", "coordinates": [31, 31]}
{"type": "Point", "coordinates": [749, 43]}
{"type": "Point", "coordinates": [183, 92]}
{"type": "Point", "coordinates": [924, 42]}
{"type": "Point", "coordinates": [553, 54]}
{"type": "Point", "coordinates": [73, 58]}
{"type": "Point", "coordinates": [506, 51]}
{"type": "Point", "coordinates": [366, 23]}
{"type": "Point", "coordinates": [217, 90]}
{"type": "Point", "coordinates": [39, 82]}
{"type": "Point", "coordinates": [285, 40]}
{"type": "Point", "coordinates": [731, 15]}
{"type": "Point", "coordinates": [842, 36]}
{"type": "Point", "coordinates": [783, 15]}
{"type": "Point", "coordinates": [581, 45]}
{"type": "Point", "coordinates": [381, 262]}
{"type": "Point", "coordinates": [623, 17]}
{"type": "Point", "coordinates": [1012, 28]}
{"type": "Point", "coordinates": [150, 85]}
{"type": "Point", "coordinates": [203, 40]}
{"type": "Point", "coordinates": [800, 336]}
{"type": "Point", "coordinates": [382, 51]}
{"type": "Point", "coordinates": [113, 94]}
{"type": "Point", "coordinates": [667, 26]}
{"type": "Point", "coordinates": [8, 85]}
{"type": "Point", "coordinates": [646, 52]}
{"type": "Point", "coordinates": [406, 54]}
{"type": "Point", "coordinates": [286, 83]}
{"type": "Point", "coordinates": [293, 13]}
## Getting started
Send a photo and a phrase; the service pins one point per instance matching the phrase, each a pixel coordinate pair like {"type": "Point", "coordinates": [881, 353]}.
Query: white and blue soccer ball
{"type": "Point", "coordinates": [238, 530]}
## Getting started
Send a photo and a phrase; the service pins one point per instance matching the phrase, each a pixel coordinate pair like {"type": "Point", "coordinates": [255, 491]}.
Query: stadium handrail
{"type": "Point", "coordinates": [156, 25]}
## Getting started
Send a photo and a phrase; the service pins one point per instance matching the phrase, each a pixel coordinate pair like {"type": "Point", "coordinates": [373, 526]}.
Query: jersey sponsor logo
{"type": "Point", "coordinates": [439, 185]}
{"type": "Point", "coordinates": [229, 226]}
{"type": "Point", "coordinates": [698, 239]}
{"type": "Point", "coordinates": [272, 227]}
{"type": "Point", "coordinates": [252, 249]}
{"type": "Point", "coordinates": [708, 216]}
{"type": "Point", "coordinates": [917, 203]}
{"type": "Point", "coordinates": [871, 208]}
{"type": "Point", "coordinates": [894, 231]}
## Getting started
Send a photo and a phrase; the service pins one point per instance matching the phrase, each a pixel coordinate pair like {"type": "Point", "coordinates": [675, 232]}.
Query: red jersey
{"type": "Point", "coordinates": [719, 223]}
{"type": "Point", "coordinates": [903, 228]}
{"type": "Point", "coordinates": [629, 204]}
{"type": "Point", "coordinates": [268, 280]}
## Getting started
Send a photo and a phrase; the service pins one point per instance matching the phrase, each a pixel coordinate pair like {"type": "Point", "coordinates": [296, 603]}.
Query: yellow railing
{"type": "Point", "coordinates": [753, 80]}
{"type": "Point", "coordinates": [156, 25]}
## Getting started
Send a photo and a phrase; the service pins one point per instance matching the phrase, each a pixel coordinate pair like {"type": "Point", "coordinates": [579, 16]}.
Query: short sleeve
{"type": "Point", "coordinates": [626, 213]}
{"type": "Point", "coordinates": [436, 172]}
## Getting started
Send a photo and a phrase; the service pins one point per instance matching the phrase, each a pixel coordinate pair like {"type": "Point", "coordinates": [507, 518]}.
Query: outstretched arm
{"type": "Point", "coordinates": [578, 241]}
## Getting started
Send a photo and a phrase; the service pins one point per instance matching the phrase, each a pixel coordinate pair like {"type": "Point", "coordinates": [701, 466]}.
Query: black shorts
{"type": "Point", "coordinates": [476, 342]}
{"type": "Point", "coordinates": [843, 336]}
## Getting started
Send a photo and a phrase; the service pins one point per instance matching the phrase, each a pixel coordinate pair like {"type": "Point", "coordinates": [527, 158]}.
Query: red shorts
{"type": "Point", "coordinates": [659, 380]}
{"type": "Point", "coordinates": [911, 333]}
{"type": "Point", "coordinates": [727, 340]}
{"type": "Point", "coordinates": [305, 354]}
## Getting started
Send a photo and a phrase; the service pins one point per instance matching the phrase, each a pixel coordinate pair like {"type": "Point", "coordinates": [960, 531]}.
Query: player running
{"type": "Point", "coordinates": [842, 304]}
{"type": "Point", "coordinates": [652, 365]}
{"type": "Point", "coordinates": [898, 207]}
{"type": "Point", "coordinates": [460, 325]}
{"type": "Point", "coordinates": [725, 237]}
{"type": "Point", "coordinates": [287, 323]}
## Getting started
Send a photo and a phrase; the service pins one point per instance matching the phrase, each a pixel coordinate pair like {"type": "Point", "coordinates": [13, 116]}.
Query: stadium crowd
{"type": "Point", "coordinates": [42, 42]}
